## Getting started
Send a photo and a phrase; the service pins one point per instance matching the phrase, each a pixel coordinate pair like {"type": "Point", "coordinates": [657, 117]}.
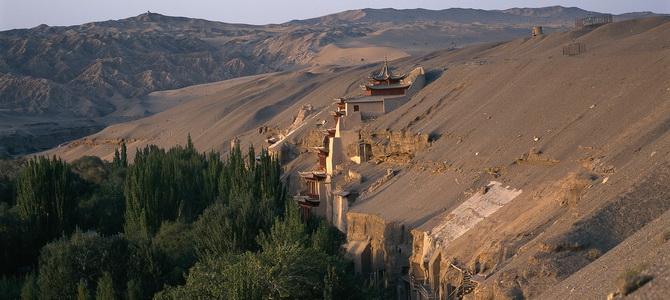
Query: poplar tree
{"type": "Point", "coordinates": [45, 197]}
{"type": "Point", "coordinates": [176, 185]}
{"type": "Point", "coordinates": [82, 290]}
{"type": "Point", "coordinates": [105, 289]}
{"type": "Point", "coordinates": [30, 289]}
{"type": "Point", "coordinates": [121, 158]}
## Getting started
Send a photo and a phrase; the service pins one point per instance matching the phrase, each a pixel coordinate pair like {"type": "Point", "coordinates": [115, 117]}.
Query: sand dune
{"type": "Point", "coordinates": [334, 55]}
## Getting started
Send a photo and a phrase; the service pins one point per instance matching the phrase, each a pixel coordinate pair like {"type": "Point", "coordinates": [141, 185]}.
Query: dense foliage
{"type": "Point", "coordinates": [173, 224]}
{"type": "Point", "coordinates": [45, 198]}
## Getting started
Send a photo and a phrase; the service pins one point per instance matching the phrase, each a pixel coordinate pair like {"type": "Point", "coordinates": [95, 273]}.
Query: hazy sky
{"type": "Point", "coordinates": [30, 13]}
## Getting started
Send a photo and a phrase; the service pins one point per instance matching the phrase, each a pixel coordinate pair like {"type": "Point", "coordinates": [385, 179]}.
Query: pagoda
{"type": "Point", "coordinates": [385, 83]}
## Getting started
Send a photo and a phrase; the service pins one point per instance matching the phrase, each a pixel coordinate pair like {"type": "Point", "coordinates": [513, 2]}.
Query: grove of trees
{"type": "Point", "coordinates": [173, 224]}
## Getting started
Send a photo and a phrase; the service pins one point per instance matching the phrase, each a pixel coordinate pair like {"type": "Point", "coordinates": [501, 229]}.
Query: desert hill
{"type": "Point", "coordinates": [550, 15]}
{"type": "Point", "coordinates": [546, 174]}
{"type": "Point", "coordinates": [79, 79]}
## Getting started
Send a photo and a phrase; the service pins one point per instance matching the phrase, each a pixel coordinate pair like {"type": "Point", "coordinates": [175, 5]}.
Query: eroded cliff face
{"type": "Point", "coordinates": [389, 244]}
{"type": "Point", "coordinates": [389, 144]}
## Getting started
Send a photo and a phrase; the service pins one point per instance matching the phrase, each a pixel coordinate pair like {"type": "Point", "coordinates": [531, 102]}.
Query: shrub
{"type": "Point", "coordinates": [630, 280]}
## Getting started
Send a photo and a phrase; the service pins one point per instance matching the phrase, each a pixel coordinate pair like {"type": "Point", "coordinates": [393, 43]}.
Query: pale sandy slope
{"type": "Point", "coordinates": [161, 101]}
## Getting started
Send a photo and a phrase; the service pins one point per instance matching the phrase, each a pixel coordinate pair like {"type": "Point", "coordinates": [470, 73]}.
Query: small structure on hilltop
{"type": "Point", "coordinates": [537, 30]}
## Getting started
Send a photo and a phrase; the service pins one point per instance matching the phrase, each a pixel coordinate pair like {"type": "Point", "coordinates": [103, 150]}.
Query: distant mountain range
{"type": "Point", "coordinates": [92, 71]}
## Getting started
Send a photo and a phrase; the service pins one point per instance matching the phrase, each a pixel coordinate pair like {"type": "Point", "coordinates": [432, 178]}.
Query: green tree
{"type": "Point", "coordinates": [251, 195]}
{"type": "Point", "coordinates": [289, 233]}
{"type": "Point", "coordinates": [90, 168]}
{"type": "Point", "coordinates": [45, 197]}
{"type": "Point", "coordinates": [189, 142]}
{"type": "Point", "coordinates": [211, 175]}
{"type": "Point", "coordinates": [329, 283]}
{"type": "Point", "coordinates": [179, 184]}
{"type": "Point", "coordinates": [82, 290]}
{"type": "Point", "coordinates": [327, 239]}
{"type": "Point", "coordinates": [232, 228]}
{"type": "Point", "coordinates": [9, 171]}
{"type": "Point", "coordinates": [175, 241]}
{"type": "Point", "coordinates": [101, 204]}
{"type": "Point", "coordinates": [147, 267]}
{"type": "Point", "coordinates": [6, 189]}
{"type": "Point", "coordinates": [120, 158]}
{"type": "Point", "coordinates": [10, 286]}
{"type": "Point", "coordinates": [16, 246]}
{"type": "Point", "coordinates": [133, 290]}
{"type": "Point", "coordinates": [285, 267]}
{"type": "Point", "coordinates": [83, 256]}
{"type": "Point", "coordinates": [105, 290]}
{"type": "Point", "coordinates": [146, 193]}
{"type": "Point", "coordinates": [164, 186]}
{"type": "Point", "coordinates": [30, 290]}
{"type": "Point", "coordinates": [215, 232]}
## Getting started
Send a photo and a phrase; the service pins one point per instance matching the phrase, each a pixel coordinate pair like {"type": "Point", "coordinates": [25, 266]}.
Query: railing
{"type": "Point", "coordinates": [309, 195]}
{"type": "Point", "coordinates": [467, 286]}
{"type": "Point", "coordinates": [425, 293]}
{"type": "Point", "coordinates": [593, 20]}
{"type": "Point", "coordinates": [423, 289]}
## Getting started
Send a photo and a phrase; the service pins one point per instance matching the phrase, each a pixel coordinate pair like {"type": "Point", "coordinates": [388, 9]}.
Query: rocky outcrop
{"type": "Point", "coordinates": [385, 145]}
{"type": "Point", "coordinates": [96, 142]}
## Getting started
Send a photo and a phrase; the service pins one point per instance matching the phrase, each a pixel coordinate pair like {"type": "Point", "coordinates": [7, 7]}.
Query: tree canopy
{"type": "Point", "coordinates": [172, 224]}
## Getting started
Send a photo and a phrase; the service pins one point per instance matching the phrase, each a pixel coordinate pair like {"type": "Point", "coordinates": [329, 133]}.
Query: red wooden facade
{"type": "Point", "coordinates": [385, 83]}
{"type": "Point", "coordinates": [393, 90]}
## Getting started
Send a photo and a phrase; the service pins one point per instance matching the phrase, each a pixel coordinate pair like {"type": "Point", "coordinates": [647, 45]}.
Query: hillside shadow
{"type": "Point", "coordinates": [621, 218]}
{"type": "Point", "coordinates": [424, 220]}
{"type": "Point", "coordinates": [433, 75]}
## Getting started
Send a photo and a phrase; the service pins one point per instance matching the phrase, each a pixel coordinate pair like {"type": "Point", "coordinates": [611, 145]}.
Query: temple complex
{"type": "Point", "coordinates": [323, 195]}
